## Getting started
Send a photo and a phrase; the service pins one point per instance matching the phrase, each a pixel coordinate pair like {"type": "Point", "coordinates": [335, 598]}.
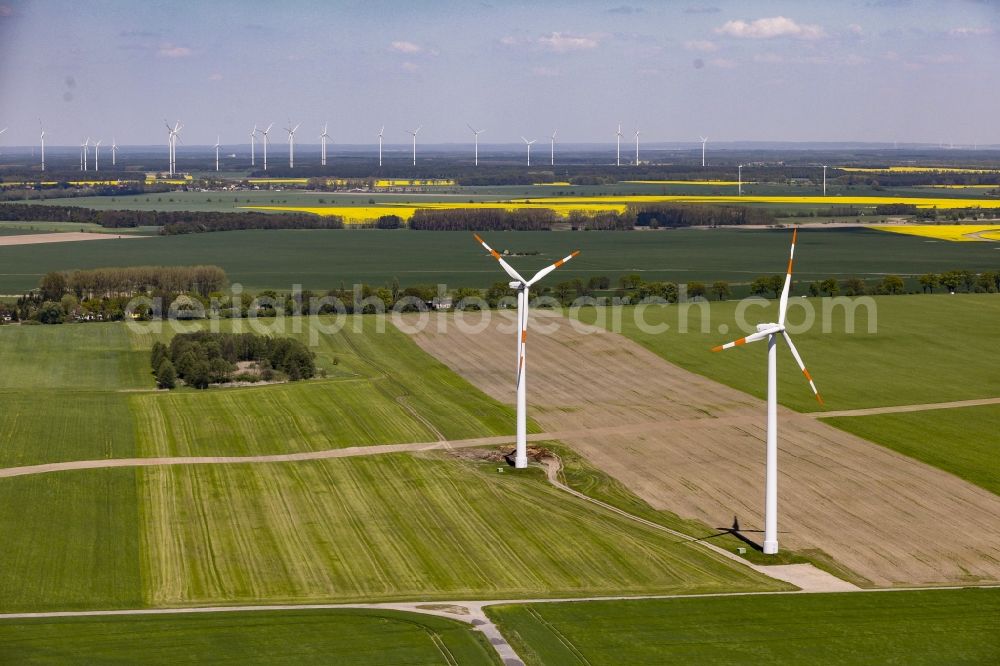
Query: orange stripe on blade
{"type": "Point", "coordinates": [795, 234]}
{"type": "Point", "coordinates": [524, 336]}
{"type": "Point", "coordinates": [741, 341]}
{"type": "Point", "coordinates": [717, 349]}
{"type": "Point", "coordinates": [559, 263]}
{"type": "Point", "coordinates": [476, 236]}
{"type": "Point", "coordinates": [820, 399]}
{"type": "Point", "coordinates": [574, 253]}
{"type": "Point", "coordinates": [789, 266]}
{"type": "Point", "coordinates": [496, 255]}
{"type": "Point", "coordinates": [806, 373]}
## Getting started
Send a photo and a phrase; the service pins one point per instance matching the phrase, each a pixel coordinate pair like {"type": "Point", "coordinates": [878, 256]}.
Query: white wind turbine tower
{"type": "Point", "coordinates": [85, 152]}
{"type": "Point", "coordinates": [528, 143]}
{"type": "Point", "coordinates": [522, 286]}
{"type": "Point", "coordinates": [380, 133]}
{"type": "Point", "coordinates": [322, 143]}
{"type": "Point", "coordinates": [218, 143]}
{"type": "Point", "coordinates": [552, 149]}
{"type": "Point", "coordinates": [704, 140]}
{"type": "Point", "coordinates": [476, 134]}
{"type": "Point", "coordinates": [771, 331]}
{"type": "Point", "coordinates": [97, 154]}
{"type": "Point", "coordinates": [291, 143]}
{"type": "Point", "coordinates": [4, 130]}
{"type": "Point", "coordinates": [739, 180]}
{"type": "Point", "coordinates": [618, 160]}
{"type": "Point", "coordinates": [253, 140]}
{"type": "Point", "coordinates": [414, 133]}
{"type": "Point", "coordinates": [637, 146]}
{"type": "Point", "coordinates": [266, 142]}
{"type": "Point", "coordinates": [824, 180]}
{"type": "Point", "coordinates": [41, 138]}
{"type": "Point", "coordinates": [114, 151]}
{"type": "Point", "coordinates": [172, 144]}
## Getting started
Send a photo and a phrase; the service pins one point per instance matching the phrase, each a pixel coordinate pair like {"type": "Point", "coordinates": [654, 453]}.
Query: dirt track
{"type": "Point", "coordinates": [65, 237]}
{"type": "Point", "coordinates": [890, 519]}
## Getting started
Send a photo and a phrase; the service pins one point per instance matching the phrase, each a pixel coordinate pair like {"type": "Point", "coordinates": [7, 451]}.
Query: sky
{"type": "Point", "coordinates": [851, 70]}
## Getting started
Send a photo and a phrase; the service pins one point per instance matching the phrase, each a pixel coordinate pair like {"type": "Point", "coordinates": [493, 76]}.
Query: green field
{"type": "Point", "coordinates": [325, 259]}
{"type": "Point", "coordinates": [961, 441]}
{"type": "Point", "coordinates": [359, 637]}
{"type": "Point", "coordinates": [71, 541]}
{"type": "Point", "coordinates": [925, 627]}
{"type": "Point", "coordinates": [956, 351]}
{"type": "Point", "coordinates": [8, 228]}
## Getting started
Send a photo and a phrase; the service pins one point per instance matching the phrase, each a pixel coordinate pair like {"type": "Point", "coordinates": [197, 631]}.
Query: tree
{"type": "Point", "coordinates": [951, 280]}
{"type": "Point", "coordinates": [53, 286]}
{"type": "Point", "coordinates": [50, 313]}
{"type": "Point", "coordinates": [854, 286]}
{"type": "Point", "coordinates": [200, 375]}
{"type": "Point", "coordinates": [776, 283]}
{"type": "Point", "coordinates": [814, 288]}
{"type": "Point", "coordinates": [968, 279]}
{"type": "Point", "coordinates": [631, 281]}
{"type": "Point", "coordinates": [563, 291]}
{"type": "Point", "coordinates": [928, 281]}
{"type": "Point", "coordinates": [599, 282]}
{"type": "Point", "coordinates": [893, 284]}
{"type": "Point", "coordinates": [721, 289]}
{"type": "Point", "coordinates": [157, 355]}
{"type": "Point", "coordinates": [760, 285]}
{"type": "Point", "coordinates": [166, 376]}
{"type": "Point", "coordinates": [696, 290]}
{"type": "Point", "coordinates": [987, 281]}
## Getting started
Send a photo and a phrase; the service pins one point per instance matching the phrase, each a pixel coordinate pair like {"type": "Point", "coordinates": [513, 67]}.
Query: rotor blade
{"type": "Point", "coordinates": [548, 269]}
{"type": "Point", "coordinates": [753, 337]}
{"type": "Point", "coordinates": [496, 255]}
{"type": "Point", "coordinates": [802, 366]}
{"type": "Point", "coordinates": [783, 307]}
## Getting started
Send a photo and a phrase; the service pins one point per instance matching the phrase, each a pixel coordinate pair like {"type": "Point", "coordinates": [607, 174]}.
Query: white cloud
{"type": "Point", "coordinates": [724, 63]}
{"type": "Point", "coordinates": [509, 41]}
{"type": "Point", "coordinates": [563, 43]}
{"type": "Point", "coordinates": [406, 47]}
{"type": "Point", "coordinates": [172, 51]}
{"type": "Point", "coordinates": [768, 58]}
{"type": "Point", "coordinates": [970, 32]}
{"type": "Point", "coordinates": [410, 66]}
{"type": "Point", "coordinates": [702, 45]}
{"type": "Point", "coordinates": [545, 71]}
{"type": "Point", "coordinates": [767, 28]}
{"type": "Point", "coordinates": [856, 29]}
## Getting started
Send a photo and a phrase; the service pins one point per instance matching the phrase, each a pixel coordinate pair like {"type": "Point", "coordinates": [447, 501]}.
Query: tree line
{"type": "Point", "coordinates": [131, 280]}
{"type": "Point", "coordinates": [202, 358]}
{"type": "Point", "coordinates": [171, 222]}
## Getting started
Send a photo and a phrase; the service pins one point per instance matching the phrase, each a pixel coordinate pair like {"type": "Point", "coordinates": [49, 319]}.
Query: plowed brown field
{"type": "Point", "coordinates": [697, 450]}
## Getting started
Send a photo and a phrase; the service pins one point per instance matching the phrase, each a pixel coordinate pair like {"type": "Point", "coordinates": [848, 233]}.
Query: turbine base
{"type": "Point", "coordinates": [770, 547]}
{"type": "Point", "coordinates": [521, 461]}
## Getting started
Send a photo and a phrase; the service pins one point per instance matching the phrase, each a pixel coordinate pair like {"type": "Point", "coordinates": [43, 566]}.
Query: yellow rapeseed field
{"type": "Point", "coordinates": [734, 183]}
{"type": "Point", "coordinates": [948, 232]}
{"type": "Point", "coordinates": [916, 169]}
{"type": "Point", "coordinates": [403, 182]}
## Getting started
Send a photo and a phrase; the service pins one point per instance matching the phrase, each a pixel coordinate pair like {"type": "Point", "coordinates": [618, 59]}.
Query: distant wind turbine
{"type": "Point", "coordinates": [3, 130]}
{"type": "Point", "coordinates": [85, 153]}
{"type": "Point", "coordinates": [618, 134]}
{"type": "Point", "coordinates": [528, 143]}
{"type": "Point", "coordinates": [476, 133]}
{"type": "Point", "coordinates": [172, 144]}
{"type": "Point", "coordinates": [266, 142]}
{"type": "Point", "coordinates": [42, 139]}
{"type": "Point", "coordinates": [704, 140]}
{"type": "Point", "coordinates": [637, 146]}
{"type": "Point", "coordinates": [380, 133]}
{"type": "Point", "coordinates": [739, 180]}
{"type": "Point", "coordinates": [291, 143]}
{"type": "Point", "coordinates": [322, 142]}
{"type": "Point", "coordinates": [216, 146]}
{"type": "Point", "coordinates": [97, 154]}
{"type": "Point", "coordinates": [552, 148]}
{"type": "Point", "coordinates": [253, 139]}
{"type": "Point", "coordinates": [824, 180]}
{"type": "Point", "coordinates": [114, 152]}
{"type": "Point", "coordinates": [414, 133]}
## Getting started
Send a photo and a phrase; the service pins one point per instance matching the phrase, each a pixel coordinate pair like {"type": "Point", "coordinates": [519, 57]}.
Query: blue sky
{"type": "Point", "coordinates": [862, 70]}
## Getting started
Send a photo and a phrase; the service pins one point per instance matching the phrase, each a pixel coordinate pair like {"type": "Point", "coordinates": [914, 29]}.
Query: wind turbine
{"type": "Point", "coordinates": [771, 331]}
{"type": "Point", "coordinates": [42, 139]}
{"type": "Point", "coordinates": [3, 130]}
{"type": "Point", "coordinates": [172, 144]}
{"type": "Point", "coordinates": [85, 147]}
{"type": "Point", "coordinates": [476, 133]}
{"type": "Point", "coordinates": [618, 161]}
{"type": "Point", "coordinates": [114, 152]}
{"type": "Point", "coordinates": [380, 133]}
{"type": "Point", "coordinates": [291, 143]}
{"type": "Point", "coordinates": [552, 148]}
{"type": "Point", "coordinates": [528, 143]}
{"type": "Point", "coordinates": [704, 140]}
{"type": "Point", "coordinates": [739, 179]}
{"type": "Point", "coordinates": [414, 133]}
{"type": "Point", "coordinates": [637, 146]}
{"type": "Point", "coordinates": [522, 286]}
{"type": "Point", "coordinates": [266, 142]}
{"type": "Point", "coordinates": [322, 142]}
{"type": "Point", "coordinates": [216, 146]}
{"type": "Point", "coordinates": [253, 139]}
{"type": "Point", "coordinates": [97, 154]}
{"type": "Point", "coordinates": [824, 180]}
